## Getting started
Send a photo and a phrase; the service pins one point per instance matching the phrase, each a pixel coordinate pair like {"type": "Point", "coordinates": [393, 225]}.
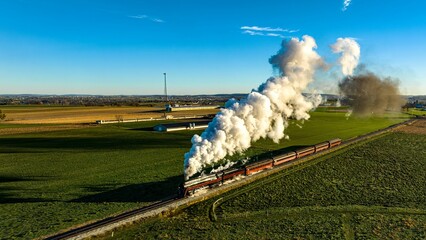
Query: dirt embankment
{"type": "Point", "coordinates": [418, 127]}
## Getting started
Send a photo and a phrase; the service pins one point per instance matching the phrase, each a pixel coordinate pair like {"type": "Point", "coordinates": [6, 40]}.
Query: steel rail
{"type": "Point", "coordinates": [110, 220]}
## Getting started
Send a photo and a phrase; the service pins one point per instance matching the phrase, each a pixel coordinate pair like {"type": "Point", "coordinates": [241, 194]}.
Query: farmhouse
{"type": "Point", "coordinates": [181, 126]}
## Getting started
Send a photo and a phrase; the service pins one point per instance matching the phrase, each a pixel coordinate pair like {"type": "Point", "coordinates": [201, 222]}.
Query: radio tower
{"type": "Point", "coordinates": [165, 87]}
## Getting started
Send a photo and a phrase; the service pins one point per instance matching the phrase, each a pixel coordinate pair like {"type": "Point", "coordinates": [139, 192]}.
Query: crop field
{"type": "Point", "coordinates": [73, 115]}
{"type": "Point", "coordinates": [53, 180]}
{"type": "Point", "coordinates": [367, 191]}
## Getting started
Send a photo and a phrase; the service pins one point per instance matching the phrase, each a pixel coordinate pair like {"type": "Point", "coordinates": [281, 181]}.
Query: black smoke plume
{"type": "Point", "coordinates": [369, 94]}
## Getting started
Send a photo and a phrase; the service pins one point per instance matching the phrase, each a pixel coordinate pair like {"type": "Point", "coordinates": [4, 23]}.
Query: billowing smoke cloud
{"type": "Point", "coordinates": [350, 52]}
{"type": "Point", "coordinates": [264, 113]}
{"type": "Point", "coordinates": [369, 94]}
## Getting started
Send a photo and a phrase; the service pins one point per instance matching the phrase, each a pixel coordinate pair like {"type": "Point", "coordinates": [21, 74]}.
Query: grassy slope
{"type": "Point", "coordinates": [369, 191]}
{"type": "Point", "coordinates": [54, 180]}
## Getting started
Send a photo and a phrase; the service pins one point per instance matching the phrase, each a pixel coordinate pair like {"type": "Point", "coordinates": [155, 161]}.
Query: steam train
{"type": "Point", "coordinates": [211, 180]}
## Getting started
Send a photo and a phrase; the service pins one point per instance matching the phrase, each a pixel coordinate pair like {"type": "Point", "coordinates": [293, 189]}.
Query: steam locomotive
{"type": "Point", "coordinates": [211, 180]}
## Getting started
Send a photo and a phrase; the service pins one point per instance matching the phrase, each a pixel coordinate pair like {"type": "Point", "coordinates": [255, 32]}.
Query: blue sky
{"type": "Point", "coordinates": [123, 47]}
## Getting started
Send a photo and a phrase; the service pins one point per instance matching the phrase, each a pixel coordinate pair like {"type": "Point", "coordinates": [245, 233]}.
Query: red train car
{"type": "Point", "coordinates": [335, 142]}
{"type": "Point", "coordinates": [322, 146]}
{"type": "Point", "coordinates": [282, 158]}
{"type": "Point", "coordinates": [258, 166]}
{"type": "Point", "coordinates": [305, 151]}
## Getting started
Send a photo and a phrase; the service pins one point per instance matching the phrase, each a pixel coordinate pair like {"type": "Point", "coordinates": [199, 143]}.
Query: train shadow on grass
{"type": "Point", "coordinates": [7, 198]}
{"type": "Point", "coordinates": [11, 194]}
{"type": "Point", "coordinates": [36, 145]}
{"type": "Point", "coordinates": [144, 192]}
{"type": "Point", "coordinates": [146, 129]}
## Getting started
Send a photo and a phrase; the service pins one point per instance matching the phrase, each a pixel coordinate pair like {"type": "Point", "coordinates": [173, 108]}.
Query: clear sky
{"type": "Point", "coordinates": [123, 47]}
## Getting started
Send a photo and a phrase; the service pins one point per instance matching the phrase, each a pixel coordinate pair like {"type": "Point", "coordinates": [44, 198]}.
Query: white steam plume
{"type": "Point", "coordinates": [264, 113]}
{"type": "Point", "coordinates": [346, 4]}
{"type": "Point", "coordinates": [350, 52]}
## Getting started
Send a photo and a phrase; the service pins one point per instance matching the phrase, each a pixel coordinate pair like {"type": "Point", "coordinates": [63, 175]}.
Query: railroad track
{"type": "Point", "coordinates": [77, 233]}
{"type": "Point", "coordinates": [89, 229]}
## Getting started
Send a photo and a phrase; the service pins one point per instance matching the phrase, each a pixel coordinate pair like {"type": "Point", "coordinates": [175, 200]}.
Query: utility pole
{"type": "Point", "coordinates": [165, 87]}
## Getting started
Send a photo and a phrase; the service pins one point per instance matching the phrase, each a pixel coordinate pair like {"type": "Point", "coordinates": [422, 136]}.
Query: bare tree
{"type": "Point", "coordinates": [2, 115]}
{"type": "Point", "coordinates": [119, 119]}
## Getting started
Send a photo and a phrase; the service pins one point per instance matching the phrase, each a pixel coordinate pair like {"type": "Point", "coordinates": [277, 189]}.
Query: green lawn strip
{"type": "Point", "coordinates": [347, 226]}
{"type": "Point", "coordinates": [417, 111]}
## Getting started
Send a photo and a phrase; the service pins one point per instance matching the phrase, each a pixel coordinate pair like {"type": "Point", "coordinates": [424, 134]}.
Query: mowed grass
{"type": "Point", "coordinates": [375, 190]}
{"type": "Point", "coordinates": [55, 180]}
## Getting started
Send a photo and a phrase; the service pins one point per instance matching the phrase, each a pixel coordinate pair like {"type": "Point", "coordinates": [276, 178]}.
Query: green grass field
{"type": "Point", "coordinates": [8, 125]}
{"type": "Point", "coordinates": [416, 111]}
{"type": "Point", "coordinates": [369, 191]}
{"type": "Point", "coordinates": [54, 180]}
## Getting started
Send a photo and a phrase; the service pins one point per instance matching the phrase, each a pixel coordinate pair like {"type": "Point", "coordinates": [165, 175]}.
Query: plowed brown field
{"type": "Point", "coordinates": [67, 115]}
{"type": "Point", "coordinates": [418, 127]}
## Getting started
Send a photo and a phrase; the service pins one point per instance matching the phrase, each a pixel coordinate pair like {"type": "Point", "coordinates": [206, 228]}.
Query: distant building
{"type": "Point", "coordinates": [176, 107]}
{"type": "Point", "coordinates": [181, 126]}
